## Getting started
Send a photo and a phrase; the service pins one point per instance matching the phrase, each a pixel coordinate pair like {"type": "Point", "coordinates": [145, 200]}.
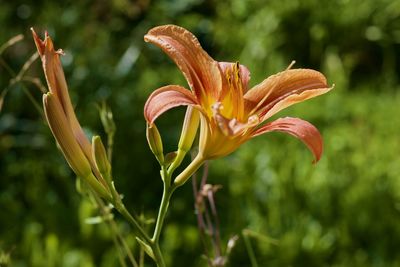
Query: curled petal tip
{"type": "Point", "coordinates": [301, 129]}
{"type": "Point", "coordinates": [40, 44]}
{"type": "Point", "coordinates": [165, 98]}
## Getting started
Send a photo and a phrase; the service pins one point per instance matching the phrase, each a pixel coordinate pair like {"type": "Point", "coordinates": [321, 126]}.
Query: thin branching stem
{"type": "Point", "coordinates": [11, 42]}
{"type": "Point", "coordinates": [24, 88]}
{"type": "Point", "coordinates": [249, 249]}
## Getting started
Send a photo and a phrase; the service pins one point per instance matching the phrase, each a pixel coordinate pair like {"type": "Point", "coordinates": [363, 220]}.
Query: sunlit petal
{"type": "Point", "coordinates": [292, 99]}
{"type": "Point", "coordinates": [200, 70]}
{"type": "Point", "coordinates": [298, 128]}
{"type": "Point", "coordinates": [276, 88]}
{"type": "Point", "coordinates": [165, 98]}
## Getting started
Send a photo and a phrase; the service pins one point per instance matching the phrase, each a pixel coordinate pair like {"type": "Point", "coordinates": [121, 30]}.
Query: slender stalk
{"type": "Point", "coordinates": [167, 193]}
{"type": "Point", "coordinates": [24, 88]}
{"type": "Point", "coordinates": [159, 259]}
{"type": "Point", "coordinates": [199, 215]}
{"type": "Point", "coordinates": [162, 212]}
{"type": "Point", "coordinates": [214, 212]}
{"type": "Point", "coordinates": [139, 230]}
{"type": "Point", "coordinates": [250, 250]}
{"type": "Point", "coordinates": [168, 190]}
{"type": "Point", "coordinates": [11, 42]}
{"type": "Point", "coordinates": [113, 229]}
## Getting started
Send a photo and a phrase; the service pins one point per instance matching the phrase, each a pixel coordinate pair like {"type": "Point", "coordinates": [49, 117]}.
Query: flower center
{"type": "Point", "coordinates": [232, 127]}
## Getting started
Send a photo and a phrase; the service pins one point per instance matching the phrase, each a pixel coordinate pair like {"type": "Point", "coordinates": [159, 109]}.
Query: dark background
{"type": "Point", "coordinates": [344, 211]}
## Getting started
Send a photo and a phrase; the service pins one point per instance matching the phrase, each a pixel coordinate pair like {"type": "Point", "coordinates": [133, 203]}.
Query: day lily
{"type": "Point", "coordinates": [231, 113]}
{"type": "Point", "coordinates": [62, 120]}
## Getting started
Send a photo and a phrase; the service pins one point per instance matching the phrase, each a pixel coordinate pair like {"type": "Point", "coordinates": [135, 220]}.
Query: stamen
{"type": "Point", "coordinates": [232, 127]}
{"type": "Point", "coordinates": [291, 64]}
{"type": "Point", "coordinates": [239, 92]}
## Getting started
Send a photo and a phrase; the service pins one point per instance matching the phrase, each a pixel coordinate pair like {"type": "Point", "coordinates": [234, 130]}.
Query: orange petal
{"type": "Point", "coordinates": [199, 69]}
{"type": "Point", "coordinates": [165, 98]}
{"type": "Point", "coordinates": [284, 89]}
{"type": "Point", "coordinates": [38, 42]}
{"type": "Point", "coordinates": [301, 129]}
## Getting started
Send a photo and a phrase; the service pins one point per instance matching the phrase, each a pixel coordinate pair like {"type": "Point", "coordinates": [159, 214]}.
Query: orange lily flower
{"type": "Point", "coordinates": [231, 112]}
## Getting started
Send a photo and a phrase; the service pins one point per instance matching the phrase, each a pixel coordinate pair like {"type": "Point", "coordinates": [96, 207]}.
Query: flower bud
{"type": "Point", "coordinates": [65, 138]}
{"type": "Point", "coordinates": [107, 120]}
{"type": "Point", "coordinates": [189, 129]}
{"type": "Point", "coordinates": [188, 134]}
{"type": "Point", "coordinates": [155, 142]}
{"type": "Point", "coordinates": [100, 156]}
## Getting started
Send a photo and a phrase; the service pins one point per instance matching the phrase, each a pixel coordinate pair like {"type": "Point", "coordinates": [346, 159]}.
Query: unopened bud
{"type": "Point", "coordinates": [65, 138]}
{"type": "Point", "coordinates": [189, 129]}
{"type": "Point", "coordinates": [155, 142]}
{"type": "Point", "coordinates": [100, 156]}
{"type": "Point", "coordinates": [107, 119]}
{"type": "Point", "coordinates": [188, 134]}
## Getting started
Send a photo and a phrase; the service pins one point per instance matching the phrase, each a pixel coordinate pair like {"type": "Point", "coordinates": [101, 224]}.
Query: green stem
{"type": "Point", "coordinates": [24, 88]}
{"type": "Point", "coordinates": [139, 230]}
{"type": "Point", "coordinates": [113, 229]}
{"type": "Point", "coordinates": [159, 259]}
{"type": "Point", "coordinates": [166, 197]}
{"type": "Point", "coordinates": [119, 205]}
{"type": "Point", "coordinates": [249, 249]}
{"type": "Point", "coordinates": [167, 193]}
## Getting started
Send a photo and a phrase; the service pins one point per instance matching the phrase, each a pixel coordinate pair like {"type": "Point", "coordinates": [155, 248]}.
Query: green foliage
{"type": "Point", "coordinates": [344, 211]}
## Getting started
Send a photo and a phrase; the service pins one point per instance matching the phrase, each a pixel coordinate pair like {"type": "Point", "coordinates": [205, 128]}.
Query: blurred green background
{"type": "Point", "coordinates": [344, 211]}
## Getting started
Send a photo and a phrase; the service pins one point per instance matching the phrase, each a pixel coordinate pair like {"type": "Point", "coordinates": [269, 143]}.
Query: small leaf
{"type": "Point", "coordinates": [146, 248]}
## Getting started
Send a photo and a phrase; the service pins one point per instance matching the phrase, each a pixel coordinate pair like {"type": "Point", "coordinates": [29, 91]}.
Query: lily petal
{"type": "Point", "coordinates": [165, 98]}
{"type": "Point", "coordinates": [298, 128]}
{"type": "Point", "coordinates": [302, 83]}
{"type": "Point", "coordinates": [199, 69]}
{"type": "Point", "coordinates": [291, 100]}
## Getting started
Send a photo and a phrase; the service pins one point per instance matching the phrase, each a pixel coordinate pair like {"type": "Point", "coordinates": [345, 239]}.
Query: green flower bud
{"type": "Point", "coordinates": [189, 129]}
{"type": "Point", "coordinates": [100, 156]}
{"type": "Point", "coordinates": [188, 134]}
{"type": "Point", "coordinates": [155, 142]}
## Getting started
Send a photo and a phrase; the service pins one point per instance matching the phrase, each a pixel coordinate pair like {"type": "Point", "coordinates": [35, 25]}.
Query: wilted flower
{"type": "Point", "coordinates": [231, 112]}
